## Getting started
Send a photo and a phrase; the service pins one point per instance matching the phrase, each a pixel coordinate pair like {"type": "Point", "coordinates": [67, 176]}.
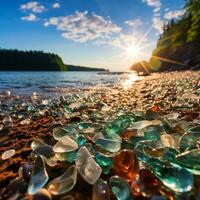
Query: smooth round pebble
{"type": "Point", "coordinates": [8, 154]}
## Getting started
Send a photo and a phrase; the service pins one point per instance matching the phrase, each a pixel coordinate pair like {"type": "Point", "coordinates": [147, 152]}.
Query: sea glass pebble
{"type": "Point", "coordinates": [68, 156]}
{"type": "Point", "coordinates": [113, 128]}
{"type": "Point", "coordinates": [176, 178]}
{"type": "Point", "coordinates": [59, 132]}
{"type": "Point", "coordinates": [87, 167]}
{"type": "Point", "coordinates": [120, 188]}
{"type": "Point", "coordinates": [146, 184]}
{"type": "Point", "coordinates": [63, 183]}
{"type": "Point", "coordinates": [125, 164]}
{"type": "Point", "coordinates": [26, 121]}
{"type": "Point", "coordinates": [189, 160]}
{"type": "Point", "coordinates": [190, 140]}
{"type": "Point", "coordinates": [141, 124]}
{"type": "Point", "coordinates": [44, 150]}
{"type": "Point", "coordinates": [109, 144]}
{"type": "Point", "coordinates": [36, 144]}
{"type": "Point", "coordinates": [103, 159]}
{"type": "Point", "coordinates": [65, 144]}
{"type": "Point", "coordinates": [39, 176]}
{"type": "Point", "coordinates": [168, 141]}
{"type": "Point", "coordinates": [101, 190]}
{"type": "Point", "coordinates": [8, 154]}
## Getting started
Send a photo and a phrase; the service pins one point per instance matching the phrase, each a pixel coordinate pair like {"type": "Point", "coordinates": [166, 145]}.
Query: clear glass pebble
{"type": "Point", "coordinates": [39, 176]}
{"type": "Point", "coordinates": [63, 183]}
{"type": "Point", "coordinates": [8, 154]}
{"type": "Point", "coordinates": [87, 166]}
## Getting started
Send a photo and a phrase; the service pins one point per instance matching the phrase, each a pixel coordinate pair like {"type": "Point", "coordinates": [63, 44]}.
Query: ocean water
{"type": "Point", "coordinates": [53, 83]}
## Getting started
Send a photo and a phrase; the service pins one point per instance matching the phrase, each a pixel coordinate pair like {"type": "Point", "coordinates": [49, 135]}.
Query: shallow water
{"type": "Point", "coordinates": [25, 83]}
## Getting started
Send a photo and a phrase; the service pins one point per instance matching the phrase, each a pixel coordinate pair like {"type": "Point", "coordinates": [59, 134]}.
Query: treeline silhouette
{"type": "Point", "coordinates": [178, 47]}
{"type": "Point", "coordinates": [15, 60]}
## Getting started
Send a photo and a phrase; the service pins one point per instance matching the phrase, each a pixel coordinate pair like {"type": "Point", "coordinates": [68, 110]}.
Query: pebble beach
{"type": "Point", "coordinates": [135, 140]}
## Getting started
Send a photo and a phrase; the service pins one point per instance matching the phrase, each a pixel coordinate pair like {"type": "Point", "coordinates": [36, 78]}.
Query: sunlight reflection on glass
{"type": "Point", "coordinates": [130, 79]}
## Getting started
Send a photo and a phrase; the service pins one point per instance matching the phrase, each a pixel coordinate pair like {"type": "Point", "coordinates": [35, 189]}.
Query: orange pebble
{"type": "Point", "coordinates": [155, 108]}
{"type": "Point", "coordinates": [125, 164]}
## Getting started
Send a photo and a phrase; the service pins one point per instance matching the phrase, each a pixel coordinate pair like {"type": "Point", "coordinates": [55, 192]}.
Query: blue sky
{"type": "Point", "coordinates": [99, 33]}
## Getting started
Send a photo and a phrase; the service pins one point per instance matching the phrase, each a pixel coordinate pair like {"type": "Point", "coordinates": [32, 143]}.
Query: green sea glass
{"type": "Point", "coordinates": [63, 183]}
{"type": "Point", "coordinates": [120, 188]}
{"type": "Point", "coordinates": [190, 140]}
{"type": "Point", "coordinates": [151, 132]}
{"type": "Point", "coordinates": [84, 125]}
{"type": "Point", "coordinates": [67, 156]}
{"type": "Point", "coordinates": [39, 176]}
{"type": "Point", "coordinates": [59, 132]}
{"type": "Point", "coordinates": [81, 140]}
{"type": "Point", "coordinates": [140, 153]}
{"type": "Point", "coordinates": [109, 144]}
{"type": "Point", "coordinates": [103, 159]}
{"type": "Point", "coordinates": [113, 128]}
{"type": "Point", "coordinates": [176, 178]}
{"type": "Point", "coordinates": [189, 160]}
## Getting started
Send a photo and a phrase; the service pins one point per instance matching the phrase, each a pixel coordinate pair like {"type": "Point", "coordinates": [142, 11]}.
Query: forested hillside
{"type": "Point", "coordinates": [179, 46]}
{"type": "Point", "coordinates": [15, 60]}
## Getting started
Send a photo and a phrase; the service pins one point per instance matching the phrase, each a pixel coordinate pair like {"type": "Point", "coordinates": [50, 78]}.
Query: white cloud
{"type": "Point", "coordinates": [34, 6]}
{"type": "Point", "coordinates": [158, 24]}
{"type": "Point", "coordinates": [83, 27]}
{"type": "Point", "coordinates": [174, 14]}
{"type": "Point", "coordinates": [30, 17]}
{"type": "Point", "coordinates": [153, 3]}
{"type": "Point", "coordinates": [156, 10]}
{"type": "Point", "coordinates": [56, 5]}
{"type": "Point", "coordinates": [134, 22]}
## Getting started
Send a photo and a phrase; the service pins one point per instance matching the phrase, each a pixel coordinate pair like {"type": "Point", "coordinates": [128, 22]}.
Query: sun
{"type": "Point", "coordinates": [133, 51]}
